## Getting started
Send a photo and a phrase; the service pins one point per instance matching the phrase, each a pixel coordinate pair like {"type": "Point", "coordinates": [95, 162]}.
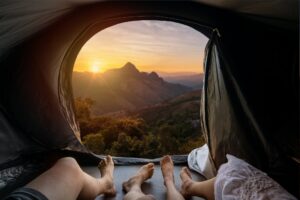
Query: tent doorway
{"type": "Point", "coordinates": [137, 88]}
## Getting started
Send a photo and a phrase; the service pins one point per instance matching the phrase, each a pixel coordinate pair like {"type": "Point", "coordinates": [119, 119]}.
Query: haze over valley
{"type": "Point", "coordinates": [127, 88]}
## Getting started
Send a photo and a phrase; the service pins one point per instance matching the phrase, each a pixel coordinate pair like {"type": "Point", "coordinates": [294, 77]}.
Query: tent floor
{"type": "Point", "coordinates": [154, 186]}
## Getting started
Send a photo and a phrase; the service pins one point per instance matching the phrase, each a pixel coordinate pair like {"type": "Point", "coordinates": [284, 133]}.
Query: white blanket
{"type": "Point", "coordinates": [200, 161]}
{"type": "Point", "coordinates": [237, 180]}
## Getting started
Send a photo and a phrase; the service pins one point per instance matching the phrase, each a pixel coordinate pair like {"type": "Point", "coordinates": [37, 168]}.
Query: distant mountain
{"type": "Point", "coordinates": [195, 80]}
{"type": "Point", "coordinates": [168, 74]}
{"type": "Point", "coordinates": [124, 88]}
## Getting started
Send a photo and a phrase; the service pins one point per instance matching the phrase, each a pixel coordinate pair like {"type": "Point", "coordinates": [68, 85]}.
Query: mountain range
{"type": "Point", "coordinates": [191, 80]}
{"type": "Point", "coordinates": [124, 88]}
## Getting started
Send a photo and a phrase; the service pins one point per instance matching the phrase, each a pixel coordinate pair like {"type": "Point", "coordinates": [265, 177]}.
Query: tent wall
{"type": "Point", "coordinates": [250, 97]}
{"type": "Point", "coordinates": [251, 82]}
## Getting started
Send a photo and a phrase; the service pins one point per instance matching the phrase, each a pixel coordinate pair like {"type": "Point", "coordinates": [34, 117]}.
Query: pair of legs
{"type": "Point", "coordinates": [188, 188]}
{"type": "Point", "coordinates": [65, 180]}
{"type": "Point", "coordinates": [133, 185]}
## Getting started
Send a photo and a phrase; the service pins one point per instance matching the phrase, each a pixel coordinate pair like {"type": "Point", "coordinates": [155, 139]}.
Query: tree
{"type": "Point", "coordinates": [83, 108]}
{"type": "Point", "coordinates": [94, 142]}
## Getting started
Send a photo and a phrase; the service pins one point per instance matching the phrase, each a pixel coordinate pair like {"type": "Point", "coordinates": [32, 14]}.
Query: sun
{"type": "Point", "coordinates": [95, 68]}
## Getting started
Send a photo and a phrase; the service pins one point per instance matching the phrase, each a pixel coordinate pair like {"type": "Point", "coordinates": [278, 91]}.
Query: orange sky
{"type": "Point", "coordinates": [159, 46]}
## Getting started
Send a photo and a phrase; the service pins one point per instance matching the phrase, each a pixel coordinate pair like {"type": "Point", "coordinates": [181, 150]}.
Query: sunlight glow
{"type": "Point", "coordinates": [95, 68]}
{"type": "Point", "coordinates": [150, 45]}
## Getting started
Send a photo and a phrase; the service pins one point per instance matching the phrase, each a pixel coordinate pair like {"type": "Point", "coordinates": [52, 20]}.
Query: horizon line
{"type": "Point", "coordinates": [162, 72]}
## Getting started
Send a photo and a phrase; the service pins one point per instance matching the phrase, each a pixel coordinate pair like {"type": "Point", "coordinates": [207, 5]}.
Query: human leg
{"type": "Point", "coordinates": [167, 168]}
{"type": "Point", "coordinates": [133, 185]}
{"type": "Point", "coordinates": [65, 180]}
{"type": "Point", "coordinates": [192, 188]}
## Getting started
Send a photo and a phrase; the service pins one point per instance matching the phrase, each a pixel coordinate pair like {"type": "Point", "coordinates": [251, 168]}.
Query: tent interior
{"type": "Point", "coordinates": [249, 105]}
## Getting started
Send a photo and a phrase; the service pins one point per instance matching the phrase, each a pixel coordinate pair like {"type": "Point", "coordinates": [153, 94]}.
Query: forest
{"type": "Point", "coordinates": [138, 135]}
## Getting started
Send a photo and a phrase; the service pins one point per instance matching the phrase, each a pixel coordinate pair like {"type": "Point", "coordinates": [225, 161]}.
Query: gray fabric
{"type": "Point", "coordinates": [21, 19]}
{"type": "Point", "coordinates": [218, 102]}
{"type": "Point", "coordinates": [177, 159]}
{"type": "Point", "coordinates": [286, 9]}
{"type": "Point", "coordinates": [17, 140]}
{"type": "Point", "coordinates": [25, 194]}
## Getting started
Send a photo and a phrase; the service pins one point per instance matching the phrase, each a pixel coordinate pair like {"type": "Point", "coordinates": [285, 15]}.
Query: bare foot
{"type": "Point", "coordinates": [187, 181]}
{"type": "Point", "coordinates": [167, 168]}
{"type": "Point", "coordinates": [106, 167]}
{"type": "Point", "coordinates": [144, 173]}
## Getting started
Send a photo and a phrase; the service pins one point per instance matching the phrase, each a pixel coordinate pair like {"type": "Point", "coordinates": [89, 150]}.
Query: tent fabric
{"type": "Point", "coordinates": [230, 123]}
{"type": "Point", "coordinates": [286, 9]}
{"type": "Point", "coordinates": [220, 118]}
{"type": "Point", "coordinates": [21, 173]}
{"type": "Point", "coordinates": [251, 77]}
{"type": "Point", "coordinates": [21, 19]}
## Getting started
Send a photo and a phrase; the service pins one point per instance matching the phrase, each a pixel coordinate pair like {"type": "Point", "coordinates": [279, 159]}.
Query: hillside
{"type": "Point", "coordinates": [144, 132]}
{"type": "Point", "coordinates": [181, 109]}
{"type": "Point", "coordinates": [124, 88]}
{"type": "Point", "coordinates": [193, 80]}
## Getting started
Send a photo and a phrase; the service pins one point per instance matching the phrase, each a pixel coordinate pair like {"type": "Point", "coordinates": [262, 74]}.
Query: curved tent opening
{"type": "Point", "coordinates": [90, 31]}
{"type": "Point", "coordinates": [251, 58]}
{"type": "Point", "coordinates": [137, 89]}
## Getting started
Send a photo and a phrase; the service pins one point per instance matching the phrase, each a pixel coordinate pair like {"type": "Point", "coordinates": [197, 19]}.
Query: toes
{"type": "Point", "coordinates": [188, 172]}
{"type": "Point", "coordinates": [166, 159]}
{"type": "Point", "coordinates": [151, 172]}
{"type": "Point", "coordinates": [125, 186]}
{"type": "Point", "coordinates": [103, 162]}
{"type": "Point", "coordinates": [109, 159]}
{"type": "Point", "coordinates": [163, 160]}
{"type": "Point", "coordinates": [169, 159]}
{"type": "Point", "coordinates": [185, 174]}
{"type": "Point", "coordinates": [150, 165]}
{"type": "Point", "coordinates": [182, 173]}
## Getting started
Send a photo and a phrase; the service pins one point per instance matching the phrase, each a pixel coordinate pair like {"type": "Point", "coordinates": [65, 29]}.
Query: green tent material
{"type": "Point", "coordinates": [250, 96]}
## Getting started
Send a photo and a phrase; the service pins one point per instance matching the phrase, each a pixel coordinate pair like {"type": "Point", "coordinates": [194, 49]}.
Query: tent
{"type": "Point", "coordinates": [250, 96]}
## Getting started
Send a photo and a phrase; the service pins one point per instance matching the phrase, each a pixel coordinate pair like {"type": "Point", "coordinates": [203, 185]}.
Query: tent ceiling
{"type": "Point", "coordinates": [20, 19]}
{"type": "Point", "coordinates": [282, 9]}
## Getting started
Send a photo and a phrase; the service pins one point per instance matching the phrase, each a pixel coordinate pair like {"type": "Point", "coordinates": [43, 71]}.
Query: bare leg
{"type": "Point", "coordinates": [133, 185]}
{"type": "Point", "coordinates": [167, 168]}
{"type": "Point", "coordinates": [65, 180]}
{"type": "Point", "coordinates": [191, 188]}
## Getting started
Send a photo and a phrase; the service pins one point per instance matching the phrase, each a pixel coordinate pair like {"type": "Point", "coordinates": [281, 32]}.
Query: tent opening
{"type": "Point", "coordinates": [137, 89]}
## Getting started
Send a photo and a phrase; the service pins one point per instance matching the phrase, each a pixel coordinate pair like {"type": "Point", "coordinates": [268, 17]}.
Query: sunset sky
{"type": "Point", "coordinates": [159, 46]}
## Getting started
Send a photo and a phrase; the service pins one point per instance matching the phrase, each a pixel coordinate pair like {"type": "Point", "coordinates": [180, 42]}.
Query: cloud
{"type": "Point", "coordinates": [146, 39]}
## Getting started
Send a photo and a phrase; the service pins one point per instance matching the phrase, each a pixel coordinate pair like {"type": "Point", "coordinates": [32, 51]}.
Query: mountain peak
{"type": "Point", "coordinates": [153, 75]}
{"type": "Point", "coordinates": [129, 67]}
